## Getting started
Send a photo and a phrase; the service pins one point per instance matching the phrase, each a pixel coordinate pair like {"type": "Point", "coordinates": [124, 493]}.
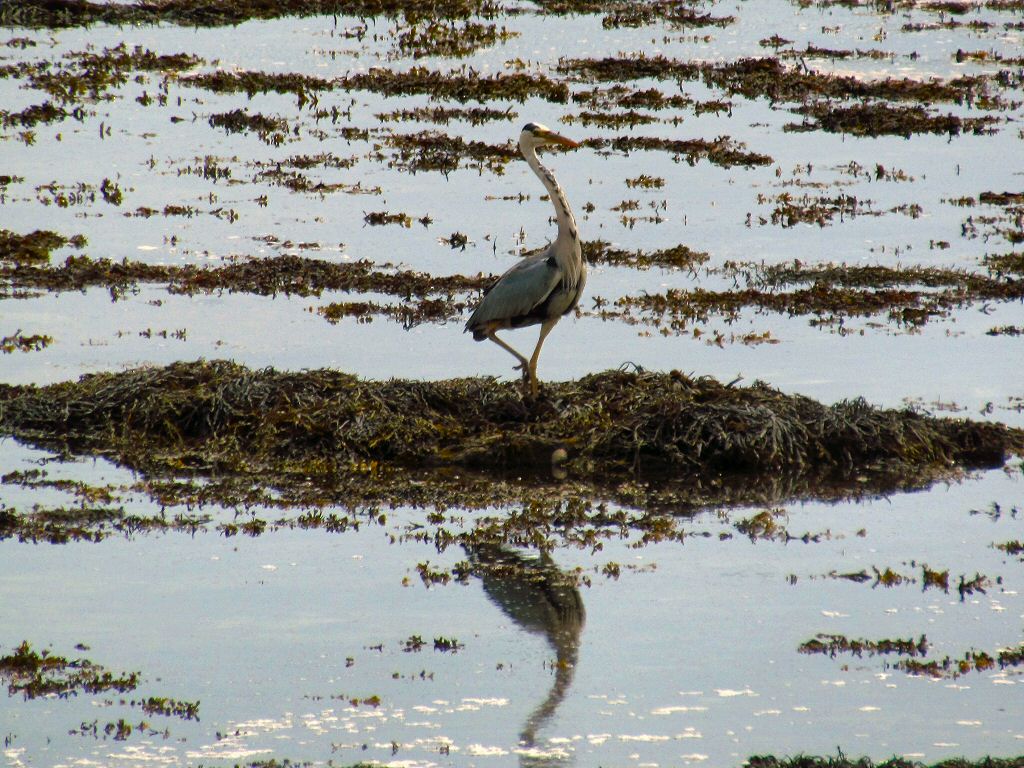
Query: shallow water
{"type": "Point", "coordinates": [689, 654]}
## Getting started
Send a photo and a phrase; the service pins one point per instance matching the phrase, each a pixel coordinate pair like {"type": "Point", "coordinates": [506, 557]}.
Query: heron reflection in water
{"type": "Point", "coordinates": [541, 598]}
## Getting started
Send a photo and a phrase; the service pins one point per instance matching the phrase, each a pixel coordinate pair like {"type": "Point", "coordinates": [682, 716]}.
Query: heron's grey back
{"type": "Point", "coordinates": [517, 293]}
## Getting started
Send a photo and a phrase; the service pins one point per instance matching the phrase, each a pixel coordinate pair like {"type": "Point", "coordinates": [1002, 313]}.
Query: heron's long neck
{"type": "Point", "coordinates": [567, 232]}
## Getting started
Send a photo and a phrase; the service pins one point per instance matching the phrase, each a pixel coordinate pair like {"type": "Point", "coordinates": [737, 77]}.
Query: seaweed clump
{"type": "Point", "coordinates": [36, 674]}
{"type": "Point", "coordinates": [34, 247]}
{"type": "Point", "coordinates": [828, 293]}
{"type": "Point", "coordinates": [842, 761]}
{"type": "Point", "coordinates": [285, 274]}
{"type": "Point", "coordinates": [876, 119]}
{"type": "Point", "coordinates": [86, 76]}
{"type": "Point", "coordinates": [283, 427]}
{"type": "Point", "coordinates": [33, 673]}
{"type": "Point", "coordinates": [971, 661]}
{"type": "Point", "coordinates": [436, 151]}
{"type": "Point", "coordinates": [459, 85]}
{"type": "Point", "coordinates": [769, 78]}
{"type": "Point", "coordinates": [271, 130]}
{"type": "Point", "coordinates": [445, 115]}
{"type": "Point", "coordinates": [677, 257]}
{"type": "Point", "coordinates": [58, 14]}
{"type": "Point", "coordinates": [831, 645]}
{"type": "Point", "coordinates": [250, 83]}
{"type": "Point", "coordinates": [721, 151]}
{"type": "Point", "coordinates": [636, 13]}
{"type": "Point", "coordinates": [19, 342]}
{"type": "Point", "coordinates": [434, 37]}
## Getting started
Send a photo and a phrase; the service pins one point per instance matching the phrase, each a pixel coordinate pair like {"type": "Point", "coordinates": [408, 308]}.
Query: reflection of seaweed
{"type": "Point", "coordinates": [540, 598]}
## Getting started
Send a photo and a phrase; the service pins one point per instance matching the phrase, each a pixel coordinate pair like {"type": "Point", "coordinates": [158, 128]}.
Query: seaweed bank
{"type": "Point", "coordinates": [390, 440]}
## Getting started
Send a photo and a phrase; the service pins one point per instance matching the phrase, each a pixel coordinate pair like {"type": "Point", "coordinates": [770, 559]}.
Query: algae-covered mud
{"type": "Point", "coordinates": [263, 503]}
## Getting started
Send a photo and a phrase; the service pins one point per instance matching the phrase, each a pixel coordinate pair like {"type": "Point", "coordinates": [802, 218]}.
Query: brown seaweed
{"type": "Point", "coordinates": [220, 417]}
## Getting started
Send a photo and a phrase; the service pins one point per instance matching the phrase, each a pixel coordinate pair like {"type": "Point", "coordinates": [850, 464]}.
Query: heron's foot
{"type": "Point", "coordinates": [530, 387]}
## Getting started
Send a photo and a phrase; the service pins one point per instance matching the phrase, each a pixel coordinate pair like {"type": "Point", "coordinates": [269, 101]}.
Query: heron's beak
{"type": "Point", "coordinates": [554, 138]}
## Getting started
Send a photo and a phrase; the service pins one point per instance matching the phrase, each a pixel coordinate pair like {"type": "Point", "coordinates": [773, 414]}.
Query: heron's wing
{"type": "Point", "coordinates": [520, 290]}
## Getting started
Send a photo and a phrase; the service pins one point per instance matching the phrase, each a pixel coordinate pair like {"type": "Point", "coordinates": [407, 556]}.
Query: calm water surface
{"type": "Point", "coordinates": [682, 653]}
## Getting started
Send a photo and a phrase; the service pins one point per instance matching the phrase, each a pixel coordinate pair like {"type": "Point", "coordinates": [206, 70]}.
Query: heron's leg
{"type": "Point", "coordinates": [545, 329]}
{"type": "Point", "coordinates": [523, 362]}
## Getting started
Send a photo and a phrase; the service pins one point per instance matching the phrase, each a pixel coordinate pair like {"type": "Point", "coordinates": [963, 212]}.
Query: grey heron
{"type": "Point", "coordinates": [538, 289]}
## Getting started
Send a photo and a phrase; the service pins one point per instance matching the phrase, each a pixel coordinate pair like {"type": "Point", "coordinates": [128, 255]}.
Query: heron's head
{"type": "Point", "coordinates": [535, 135]}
